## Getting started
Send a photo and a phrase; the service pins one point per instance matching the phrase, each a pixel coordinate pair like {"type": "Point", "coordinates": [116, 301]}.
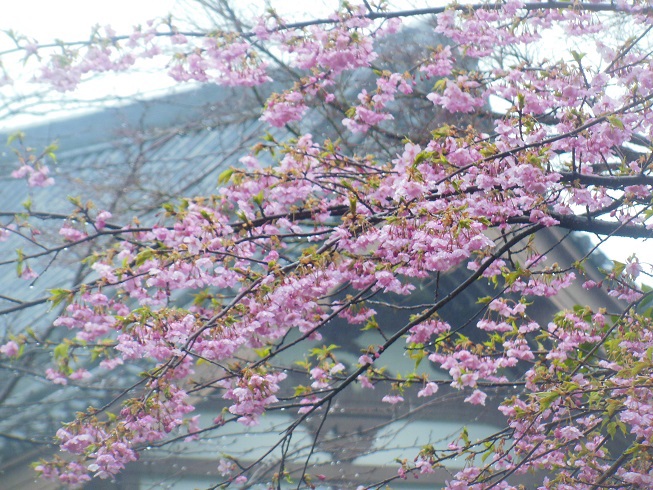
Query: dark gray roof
{"type": "Point", "coordinates": [129, 160]}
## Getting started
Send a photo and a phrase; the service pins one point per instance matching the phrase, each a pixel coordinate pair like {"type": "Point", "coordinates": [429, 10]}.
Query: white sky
{"type": "Point", "coordinates": [46, 21]}
{"type": "Point", "coordinates": [71, 20]}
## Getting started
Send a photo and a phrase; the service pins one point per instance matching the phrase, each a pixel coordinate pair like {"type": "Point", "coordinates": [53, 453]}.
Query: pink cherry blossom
{"type": "Point", "coordinates": [451, 175]}
{"type": "Point", "coordinates": [10, 349]}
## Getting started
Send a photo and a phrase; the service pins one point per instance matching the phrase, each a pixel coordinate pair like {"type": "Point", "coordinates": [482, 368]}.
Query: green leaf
{"type": "Point", "coordinates": [547, 398]}
{"type": "Point", "coordinates": [464, 435]}
{"type": "Point", "coordinates": [27, 204]}
{"type": "Point", "coordinates": [302, 390]}
{"type": "Point", "coordinates": [49, 151]}
{"type": "Point", "coordinates": [440, 85]}
{"type": "Point", "coordinates": [442, 132]}
{"type": "Point", "coordinates": [75, 201]}
{"type": "Point", "coordinates": [61, 351]}
{"type": "Point", "coordinates": [324, 351]}
{"type": "Point", "coordinates": [263, 351]}
{"type": "Point", "coordinates": [143, 256]}
{"type": "Point", "coordinates": [206, 215]}
{"type": "Point", "coordinates": [258, 198]}
{"type": "Point", "coordinates": [615, 121]}
{"type": "Point", "coordinates": [58, 295]}
{"type": "Point", "coordinates": [371, 324]}
{"type": "Point", "coordinates": [225, 176]}
{"type": "Point", "coordinates": [418, 355]}
{"type": "Point", "coordinates": [18, 135]}
{"type": "Point", "coordinates": [169, 208]}
{"type": "Point", "coordinates": [618, 268]}
{"type": "Point", "coordinates": [20, 261]}
{"type": "Point", "coordinates": [420, 157]}
{"type": "Point", "coordinates": [269, 137]}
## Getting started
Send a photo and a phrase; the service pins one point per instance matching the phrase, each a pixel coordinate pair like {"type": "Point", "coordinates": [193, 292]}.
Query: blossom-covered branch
{"type": "Point", "coordinates": [276, 293]}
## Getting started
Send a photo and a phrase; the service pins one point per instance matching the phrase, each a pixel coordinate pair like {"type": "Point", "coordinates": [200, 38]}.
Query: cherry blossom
{"type": "Point", "coordinates": [216, 293]}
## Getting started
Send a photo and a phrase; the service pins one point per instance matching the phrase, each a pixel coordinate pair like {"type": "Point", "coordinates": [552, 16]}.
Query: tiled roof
{"type": "Point", "coordinates": [129, 160]}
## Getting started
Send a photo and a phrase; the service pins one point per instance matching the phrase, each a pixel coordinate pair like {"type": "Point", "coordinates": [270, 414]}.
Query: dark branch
{"type": "Point", "coordinates": [616, 182]}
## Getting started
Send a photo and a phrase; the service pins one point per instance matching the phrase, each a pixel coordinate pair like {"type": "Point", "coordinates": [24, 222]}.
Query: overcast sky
{"type": "Point", "coordinates": [46, 20]}
{"type": "Point", "coordinates": [72, 20]}
{"type": "Point", "coordinates": [69, 20]}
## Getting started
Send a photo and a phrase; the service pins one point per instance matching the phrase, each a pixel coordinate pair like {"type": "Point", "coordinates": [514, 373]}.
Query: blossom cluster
{"type": "Point", "coordinates": [308, 229]}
